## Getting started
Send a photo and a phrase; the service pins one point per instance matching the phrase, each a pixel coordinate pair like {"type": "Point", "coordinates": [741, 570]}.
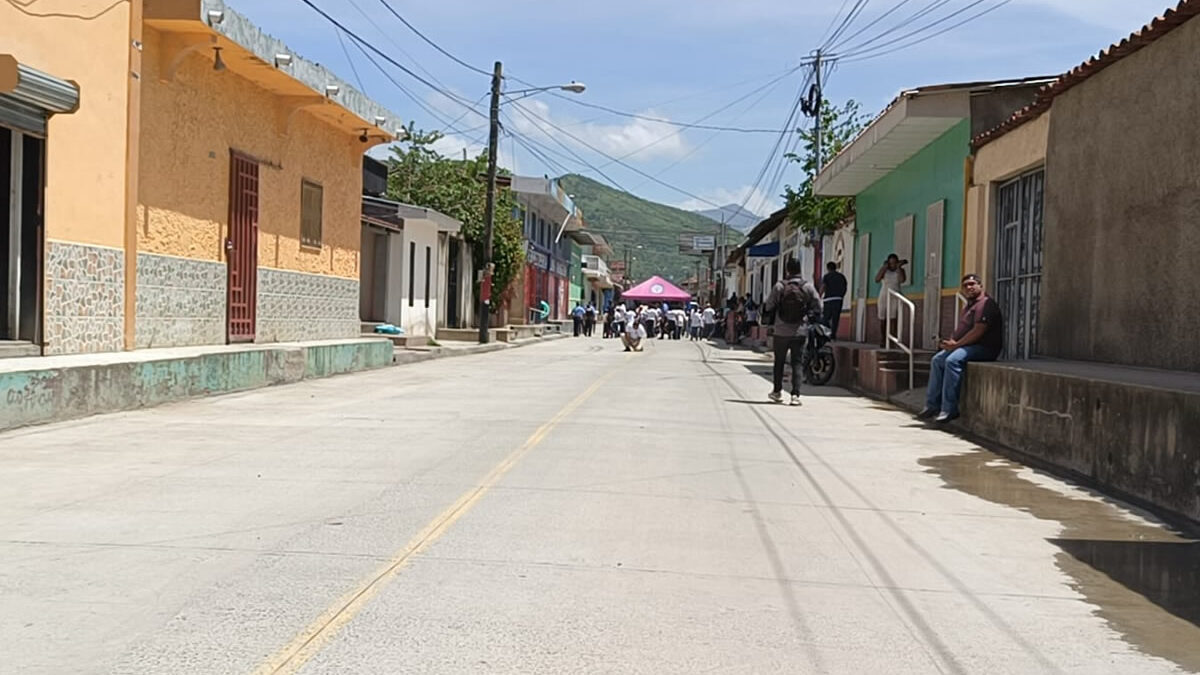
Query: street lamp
{"type": "Point", "coordinates": [570, 211]}
{"type": "Point", "coordinates": [489, 215]}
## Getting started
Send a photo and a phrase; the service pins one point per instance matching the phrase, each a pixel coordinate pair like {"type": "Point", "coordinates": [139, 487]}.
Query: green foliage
{"type": "Point", "coordinates": [627, 221]}
{"type": "Point", "coordinates": [418, 175]}
{"type": "Point", "coordinates": [821, 215]}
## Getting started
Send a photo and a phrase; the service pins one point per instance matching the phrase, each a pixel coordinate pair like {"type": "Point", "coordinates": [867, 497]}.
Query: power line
{"type": "Point", "coordinates": [921, 12]}
{"type": "Point", "coordinates": [833, 21]}
{"type": "Point", "coordinates": [431, 43]}
{"type": "Point", "coordinates": [396, 43]}
{"type": "Point", "coordinates": [896, 7]}
{"type": "Point", "coordinates": [529, 116]}
{"type": "Point", "coordinates": [771, 155]}
{"type": "Point", "coordinates": [714, 134]}
{"type": "Point", "coordinates": [342, 42]}
{"type": "Point", "coordinates": [858, 8]}
{"type": "Point", "coordinates": [593, 148]}
{"type": "Point", "coordinates": [874, 52]}
{"type": "Point", "coordinates": [661, 120]}
{"type": "Point", "coordinates": [364, 43]}
{"type": "Point", "coordinates": [415, 99]}
{"type": "Point", "coordinates": [769, 87]}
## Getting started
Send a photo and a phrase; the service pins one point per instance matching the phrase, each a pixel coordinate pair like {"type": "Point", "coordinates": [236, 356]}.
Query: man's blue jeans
{"type": "Point", "coordinates": [945, 376]}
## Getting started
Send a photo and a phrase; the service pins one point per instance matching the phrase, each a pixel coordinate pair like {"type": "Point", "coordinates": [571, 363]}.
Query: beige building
{"type": "Point", "coordinates": [202, 182]}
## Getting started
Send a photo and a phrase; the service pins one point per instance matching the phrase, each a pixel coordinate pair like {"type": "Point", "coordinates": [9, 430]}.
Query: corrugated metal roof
{"type": "Point", "coordinates": [1169, 21]}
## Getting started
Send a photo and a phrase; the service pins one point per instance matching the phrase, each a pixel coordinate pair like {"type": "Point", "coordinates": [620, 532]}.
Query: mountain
{"type": "Point", "coordinates": [735, 216]}
{"type": "Point", "coordinates": [627, 222]}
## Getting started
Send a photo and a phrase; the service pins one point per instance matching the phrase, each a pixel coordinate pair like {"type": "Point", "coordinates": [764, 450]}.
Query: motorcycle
{"type": "Point", "coordinates": [818, 363]}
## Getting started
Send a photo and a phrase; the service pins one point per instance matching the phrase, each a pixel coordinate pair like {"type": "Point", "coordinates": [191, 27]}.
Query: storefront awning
{"type": "Point", "coordinates": [768, 250]}
{"type": "Point", "coordinates": [28, 96]}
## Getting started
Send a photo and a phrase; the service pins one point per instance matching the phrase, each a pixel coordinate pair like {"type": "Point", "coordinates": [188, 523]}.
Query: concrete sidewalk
{"type": "Point", "coordinates": [42, 389]}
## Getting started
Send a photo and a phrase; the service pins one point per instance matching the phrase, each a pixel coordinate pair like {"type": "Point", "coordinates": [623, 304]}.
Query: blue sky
{"type": "Point", "coordinates": [679, 60]}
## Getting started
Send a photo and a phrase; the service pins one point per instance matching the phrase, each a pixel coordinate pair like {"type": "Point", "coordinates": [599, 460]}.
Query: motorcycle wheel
{"type": "Point", "coordinates": [821, 367]}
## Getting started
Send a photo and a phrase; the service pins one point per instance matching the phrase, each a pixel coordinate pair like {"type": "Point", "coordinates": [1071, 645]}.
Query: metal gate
{"type": "Point", "coordinates": [241, 247]}
{"type": "Point", "coordinates": [1019, 261]}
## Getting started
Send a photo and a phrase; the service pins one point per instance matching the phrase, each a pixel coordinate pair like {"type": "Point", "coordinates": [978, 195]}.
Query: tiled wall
{"type": "Point", "coordinates": [85, 299]}
{"type": "Point", "coordinates": [180, 302]}
{"type": "Point", "coordinates": [296, 306]}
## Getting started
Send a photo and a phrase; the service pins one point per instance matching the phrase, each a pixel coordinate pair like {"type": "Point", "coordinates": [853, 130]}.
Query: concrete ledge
{"type": "Point", "coordinates": [1138, 438]}
{"type": "Point", "coordinates": [51, 389]}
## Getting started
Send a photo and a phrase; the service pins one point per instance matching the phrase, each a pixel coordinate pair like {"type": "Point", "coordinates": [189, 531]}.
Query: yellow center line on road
{"type": "Point", "coordinates": [314, 637]}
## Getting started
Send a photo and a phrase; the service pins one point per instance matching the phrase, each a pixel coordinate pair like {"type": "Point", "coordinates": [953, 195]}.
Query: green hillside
{"type": "Point", "coordinates": [628, 221]}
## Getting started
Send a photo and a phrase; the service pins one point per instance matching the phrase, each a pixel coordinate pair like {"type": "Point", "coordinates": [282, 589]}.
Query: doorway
{"type": "Point", "coordinates": [1019, 262]}
{"type": "Point", "coordinates": [22, 163]}
{"type": "Point", "coordinates": [242, 247]}
{"type": "Point", "coordinates": [452, 280]}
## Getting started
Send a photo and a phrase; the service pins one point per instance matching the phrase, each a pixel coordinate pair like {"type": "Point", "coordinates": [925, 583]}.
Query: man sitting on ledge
{"type": "Point", "coordinates": [979, 336]}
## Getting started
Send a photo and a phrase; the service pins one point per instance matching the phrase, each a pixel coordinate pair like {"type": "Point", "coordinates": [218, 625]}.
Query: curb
{"type": "Point", "coordinates": [403, 357]}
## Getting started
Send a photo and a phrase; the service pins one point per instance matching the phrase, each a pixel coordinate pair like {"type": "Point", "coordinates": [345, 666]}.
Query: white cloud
{"type": "Point", "coordinates": [631, 140]}
{"type": "Point", "coordinates": [758, 203]}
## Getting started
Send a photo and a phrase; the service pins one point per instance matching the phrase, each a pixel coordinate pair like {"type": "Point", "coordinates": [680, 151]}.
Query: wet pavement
{"type": "Point", "coordinates": [1143, 577]}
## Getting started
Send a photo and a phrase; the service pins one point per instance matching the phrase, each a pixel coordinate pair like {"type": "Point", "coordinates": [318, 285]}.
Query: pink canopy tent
{"type": "Point", "coordinates": [656, 289]}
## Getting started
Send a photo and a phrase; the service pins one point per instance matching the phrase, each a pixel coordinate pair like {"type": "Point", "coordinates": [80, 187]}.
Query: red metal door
{"type": "Point", "coordinates": [241, 248]}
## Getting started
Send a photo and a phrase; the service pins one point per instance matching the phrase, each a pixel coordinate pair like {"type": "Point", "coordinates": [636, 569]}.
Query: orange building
{"type": "Point", "coordinates": [185, 180]}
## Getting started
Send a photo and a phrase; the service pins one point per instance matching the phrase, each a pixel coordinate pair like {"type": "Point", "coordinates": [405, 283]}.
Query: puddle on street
{"type": "Point", "coordinates": [1144, 578]}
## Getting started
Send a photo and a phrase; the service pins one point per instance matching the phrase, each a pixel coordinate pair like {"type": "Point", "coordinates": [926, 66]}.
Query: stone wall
{"type": "Point", "coordinates": [297, 306]}
{"type": "Point", "coordinates": [180, 302]}
{"type": "Point", "coordinates": [85, 299]}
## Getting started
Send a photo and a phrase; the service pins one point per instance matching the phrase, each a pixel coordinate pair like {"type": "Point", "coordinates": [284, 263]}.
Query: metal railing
{"type": "Point", "coordinates": [903, 304]}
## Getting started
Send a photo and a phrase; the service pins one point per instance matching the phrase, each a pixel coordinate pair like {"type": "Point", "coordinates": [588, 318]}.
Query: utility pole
{"type": "Point", "coordinates": [489, 214]}
{"type": "Point", "coordinates": [820, 109]}
{"type": "Point", "coordinates": [719, 269]}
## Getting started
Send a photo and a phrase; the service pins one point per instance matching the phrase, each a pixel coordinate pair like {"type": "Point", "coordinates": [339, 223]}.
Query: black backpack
{"type": "Point", "coordinates": [794, 302]}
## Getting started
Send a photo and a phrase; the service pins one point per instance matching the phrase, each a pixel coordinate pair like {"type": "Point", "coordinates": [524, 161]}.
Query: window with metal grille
{"type": "Point", "coordinates": [311, 198]}
{"type": "Point", "coordinates": [1018, 241]}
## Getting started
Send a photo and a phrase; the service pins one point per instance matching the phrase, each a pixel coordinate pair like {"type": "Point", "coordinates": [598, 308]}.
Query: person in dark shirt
{"type": "Point", "coordinates": [979, 336]}
{"type": "Point", "coordinates": [833, 290]}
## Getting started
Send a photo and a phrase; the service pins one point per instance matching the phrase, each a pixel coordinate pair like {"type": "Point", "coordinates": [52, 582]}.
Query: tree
{"type": "Point", "coordinates": [820, 216]}
{"type": "Point", "coordinates": [419, 175]}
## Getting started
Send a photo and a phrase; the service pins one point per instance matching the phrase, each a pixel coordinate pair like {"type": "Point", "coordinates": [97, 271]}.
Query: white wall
{"type": "Point", "coordinates": [417, 318]}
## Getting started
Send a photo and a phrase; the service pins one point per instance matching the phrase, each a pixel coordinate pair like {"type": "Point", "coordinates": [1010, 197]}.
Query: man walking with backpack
{"type": "Point", "coordinates": [792, 300]}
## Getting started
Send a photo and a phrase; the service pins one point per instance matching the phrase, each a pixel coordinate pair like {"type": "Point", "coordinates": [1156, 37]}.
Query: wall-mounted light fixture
{"type": "Point", "coordinates": [218, 64]}
{"type": "Point", "coordinates": [215, 16]}
{"type": "Point", "coordinates": [332, 90]}
{"type": "Point", "coordinates": [282, 60]}
{"type": "Point", "coordinates": [364, 137]}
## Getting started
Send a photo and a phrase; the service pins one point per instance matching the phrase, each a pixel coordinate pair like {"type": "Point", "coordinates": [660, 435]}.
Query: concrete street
{"type": "Point", "coordinates": [560, 508]}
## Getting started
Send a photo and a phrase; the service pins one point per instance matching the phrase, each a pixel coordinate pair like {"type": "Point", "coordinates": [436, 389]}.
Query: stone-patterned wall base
{"type": "Point", "coordinates": [296, 306]}
{"type": "Point", "coordinates": [180, 302]}
{"type": "Point", "coordinates": [85, 299]}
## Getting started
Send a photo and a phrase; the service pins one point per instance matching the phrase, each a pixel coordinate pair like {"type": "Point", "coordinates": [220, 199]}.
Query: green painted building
{"type": "Point", "coordinates": [908, 172]}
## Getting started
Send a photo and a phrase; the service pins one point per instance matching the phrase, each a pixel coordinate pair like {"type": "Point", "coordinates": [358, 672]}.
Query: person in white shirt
{"type": "Point", "coordinates": [709, 319]}
{"type": "Point", "coordinates": [619, 319]}
{"type": "Point", "coordinates": [696, 321]}
{"type": "Point", "coordinates": [635, 332]}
